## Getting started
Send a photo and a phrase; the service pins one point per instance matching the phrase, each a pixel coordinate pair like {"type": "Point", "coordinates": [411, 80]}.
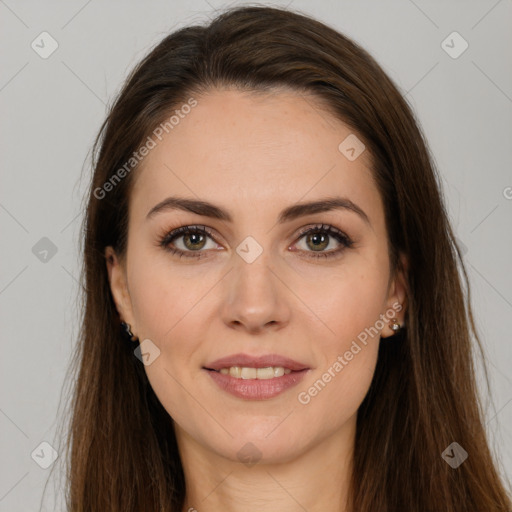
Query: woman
{"type": "Point", "coordinates": [274, 317]}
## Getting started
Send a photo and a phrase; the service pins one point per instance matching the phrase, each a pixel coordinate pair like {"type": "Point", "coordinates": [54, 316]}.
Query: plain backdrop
{"type": "Point", "coordinates": [52, 108]}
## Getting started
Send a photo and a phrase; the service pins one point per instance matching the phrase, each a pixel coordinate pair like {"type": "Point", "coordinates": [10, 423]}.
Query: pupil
{"type": "Point", "coordinates": [195, 239]}
{"type": "Point", "coordinates": [318, 239]}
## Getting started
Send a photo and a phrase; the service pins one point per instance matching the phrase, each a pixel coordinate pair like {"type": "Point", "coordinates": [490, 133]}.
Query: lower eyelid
{"type": "Point", "coordinates": [189, 251]}
{"type": "Point", "coordinates": [332, 236]}
{"type": "Point", "coordinates": [342, 239]}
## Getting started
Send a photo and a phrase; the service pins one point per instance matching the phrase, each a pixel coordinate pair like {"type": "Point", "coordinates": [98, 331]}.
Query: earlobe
{"type": "Point", "coordinates": [118, 285]}
{"type": "Point", "coordinates": [397, 300]}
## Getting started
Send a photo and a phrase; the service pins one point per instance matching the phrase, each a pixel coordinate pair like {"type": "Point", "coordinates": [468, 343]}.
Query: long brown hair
{"type": "Point", "coordinates": [121, 450]}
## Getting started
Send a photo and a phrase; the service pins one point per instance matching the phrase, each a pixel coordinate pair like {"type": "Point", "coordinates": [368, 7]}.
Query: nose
{"type": "Point", "coordinates": [256, 297]}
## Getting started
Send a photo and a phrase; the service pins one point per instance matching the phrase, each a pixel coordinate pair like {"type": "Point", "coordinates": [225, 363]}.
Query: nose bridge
{"type": "Point", "coordinates": [255, 296]}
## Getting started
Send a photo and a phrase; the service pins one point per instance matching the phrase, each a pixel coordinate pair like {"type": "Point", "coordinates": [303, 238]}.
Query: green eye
{"type": "Point", "coordinates": [195, 238]}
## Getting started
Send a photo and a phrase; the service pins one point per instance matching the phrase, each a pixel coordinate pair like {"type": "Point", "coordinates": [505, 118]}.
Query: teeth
{"type": "Point", "coordinates": [244, 372]}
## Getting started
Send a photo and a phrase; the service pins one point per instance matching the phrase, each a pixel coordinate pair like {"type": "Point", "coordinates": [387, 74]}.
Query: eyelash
{"type": "Point", "coordinates": [326, 229]}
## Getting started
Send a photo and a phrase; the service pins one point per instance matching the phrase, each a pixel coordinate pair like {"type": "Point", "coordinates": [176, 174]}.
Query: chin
{"type": "Point", "coordinates": [255, 446]}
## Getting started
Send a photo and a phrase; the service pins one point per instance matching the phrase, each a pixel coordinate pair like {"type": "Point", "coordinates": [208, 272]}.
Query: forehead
{"type": "Point", "coordinates": [244, 150]}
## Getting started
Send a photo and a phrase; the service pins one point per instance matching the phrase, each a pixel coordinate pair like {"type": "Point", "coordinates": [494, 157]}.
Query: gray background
{"type": "Point", "coordinates": [52, 109]}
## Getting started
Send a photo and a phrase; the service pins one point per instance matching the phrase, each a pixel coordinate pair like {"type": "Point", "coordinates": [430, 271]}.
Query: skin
{"type": "Point", "coordinates": [254, 155]}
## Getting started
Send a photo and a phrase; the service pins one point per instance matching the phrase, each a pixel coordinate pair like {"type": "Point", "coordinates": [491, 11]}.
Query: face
{"type": "Point", "coordinates": [311, 285]}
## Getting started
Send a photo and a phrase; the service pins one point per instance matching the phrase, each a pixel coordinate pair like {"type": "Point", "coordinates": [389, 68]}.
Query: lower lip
{"type": "Point", "coordinates": [256, 389]}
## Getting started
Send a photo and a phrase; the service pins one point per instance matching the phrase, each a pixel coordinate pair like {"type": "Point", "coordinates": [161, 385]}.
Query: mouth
{"type": "Point", "coordinates": [247, 372]}
{"type": "Point", "coordinates": [256, 378]}
{"type": "Point", "coordinates": [249, 386]}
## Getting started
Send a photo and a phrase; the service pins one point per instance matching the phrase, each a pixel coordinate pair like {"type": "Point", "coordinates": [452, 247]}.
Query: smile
{"type": "Point", "coordinates": [248, 386]}
{"type": "Point", "coordinates": [245, 372]}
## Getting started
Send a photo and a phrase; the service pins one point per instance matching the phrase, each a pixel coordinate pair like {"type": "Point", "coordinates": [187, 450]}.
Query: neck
{"type": "Point", "coordinates": [316, 479]}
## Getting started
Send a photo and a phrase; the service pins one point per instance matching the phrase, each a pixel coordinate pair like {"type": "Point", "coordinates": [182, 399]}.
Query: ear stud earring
{"type": "Point", "coordinates": [128, 331]}
{"type": "Point", "coordinates": [395, 326]}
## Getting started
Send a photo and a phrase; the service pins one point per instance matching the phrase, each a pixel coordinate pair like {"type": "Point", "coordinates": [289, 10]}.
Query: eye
{"type": "Point", "coordinates": [319, 238]}
{"type": "Point", "coordinates": [193, 240]}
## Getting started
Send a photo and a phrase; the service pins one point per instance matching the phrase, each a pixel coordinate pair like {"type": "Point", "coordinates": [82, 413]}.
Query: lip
{"type": "Point", "coordinates": [256, 389]}
{"type": "Point", "coordinates": [262, 361]}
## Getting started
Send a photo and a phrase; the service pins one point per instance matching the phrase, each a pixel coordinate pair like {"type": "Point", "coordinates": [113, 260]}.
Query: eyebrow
{"type": "Point", "coordinates": [290, 213]}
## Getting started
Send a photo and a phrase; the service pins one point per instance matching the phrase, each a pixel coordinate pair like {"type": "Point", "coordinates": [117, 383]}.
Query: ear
{"type": "Point", "coordinates": [397, 297]}
{"type": "Point", "coordinates": [119, 287]}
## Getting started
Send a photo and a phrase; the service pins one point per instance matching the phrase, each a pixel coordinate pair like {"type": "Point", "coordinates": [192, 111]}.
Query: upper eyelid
{"type": "Point", "coordinates": [211, 232]}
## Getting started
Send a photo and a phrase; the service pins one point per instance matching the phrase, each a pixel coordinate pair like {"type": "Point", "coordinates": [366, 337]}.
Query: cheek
{"type": "Point", "coordinates": [355, 298]}
{"type": "Point", "coordinates": [167, 310]}
{"type": "Point", "coordinates": [332, 398]}
{"type": "Point", "coordinates": [163, 296]}
{"type": "Point", "coordinates": [336, 388]}
{"type": "Point", "coordinates": [339, 384]}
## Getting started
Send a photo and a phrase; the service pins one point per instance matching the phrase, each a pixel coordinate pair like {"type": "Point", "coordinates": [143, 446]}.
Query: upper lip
{"type": "Point", "coordinates": [256, 362]}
